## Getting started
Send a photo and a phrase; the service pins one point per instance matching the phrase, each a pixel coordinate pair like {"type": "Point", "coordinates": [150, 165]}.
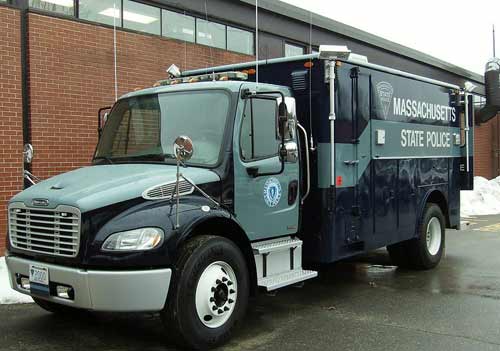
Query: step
{"type": "Point", "coordinates": [288, 278]}
{"type": "Point", "coordinates": [275, 245]}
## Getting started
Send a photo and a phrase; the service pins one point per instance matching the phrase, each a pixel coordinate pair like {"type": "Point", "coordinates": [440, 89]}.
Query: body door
{"type": "Point", "coordinates": [265, 205]}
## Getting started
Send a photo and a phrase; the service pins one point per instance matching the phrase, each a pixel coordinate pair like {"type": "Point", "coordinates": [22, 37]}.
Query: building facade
{"type": "Point", "coordinates": [62, 60]}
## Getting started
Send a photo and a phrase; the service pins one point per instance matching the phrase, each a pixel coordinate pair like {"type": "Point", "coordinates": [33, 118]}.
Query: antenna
{"type": "Point", "coordinates": [210, 46]}
{"type": "Point", "coordinates": [494, 41]}
{"type": "Point", "coordinates": [114, 47]}
{"type": "Point", "coordinates": [257, 42]}
{"type": "Point", "coordinates": [310, 86]}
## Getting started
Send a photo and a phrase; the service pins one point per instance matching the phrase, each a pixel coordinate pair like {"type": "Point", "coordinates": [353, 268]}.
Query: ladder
{"type": "Point", "coordinates": [279, 263]}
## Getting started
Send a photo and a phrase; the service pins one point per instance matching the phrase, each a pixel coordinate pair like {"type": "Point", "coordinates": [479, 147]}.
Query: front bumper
{"type": "Point", "coordinates": [113, 291]}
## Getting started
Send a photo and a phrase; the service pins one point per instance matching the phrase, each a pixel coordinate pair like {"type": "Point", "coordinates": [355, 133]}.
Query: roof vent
{"type": "Point", "coordinates": [165, 191]}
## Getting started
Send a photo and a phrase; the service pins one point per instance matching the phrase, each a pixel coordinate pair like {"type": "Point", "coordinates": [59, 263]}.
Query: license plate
{"type": "Point", "coordinates": [39, 275]}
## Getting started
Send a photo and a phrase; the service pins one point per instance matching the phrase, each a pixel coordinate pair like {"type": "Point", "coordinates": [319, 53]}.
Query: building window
{"type": "Point", "coordinates": [178, 26]}
{"type": "Point", "coordinates": [65, 7]}
{"type": "Point", "coordinates": [240, 40]}
{"type": "Point", "coordinates": [293, 50]}
{"type": "Point", "coordinates": [210, 33]}
{"type": "Point", "coordinates": [102, 11]}
{"type": "Point", "coordinates": [140, 17]}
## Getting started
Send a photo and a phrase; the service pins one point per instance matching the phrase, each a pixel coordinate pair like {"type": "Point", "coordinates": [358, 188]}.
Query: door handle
{"type": "Point", "coordinates": [293, 187]}
{"type": "Point", "coordinates": [253, 171]}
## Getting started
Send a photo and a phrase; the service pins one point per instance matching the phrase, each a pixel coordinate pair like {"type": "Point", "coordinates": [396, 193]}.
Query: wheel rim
{"type": "Point", "coordinates": [216, 294]}
{"type": "Point", "coordinates": [433, 236]}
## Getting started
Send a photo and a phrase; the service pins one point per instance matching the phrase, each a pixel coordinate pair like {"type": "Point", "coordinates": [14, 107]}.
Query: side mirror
{"type": "Point", "coordinates": [292, 152]}
{"type": "Point", "coordinates": [183, 148]}
{"type": "Point", "coordinates": [101, 118]}
{"type": "Point", "coordinates": [288, 110]}
{"type": "Point", "coordinates": [28, 153]}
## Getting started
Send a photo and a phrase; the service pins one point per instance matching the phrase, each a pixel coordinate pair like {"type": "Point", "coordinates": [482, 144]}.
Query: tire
{"type": "Point", "coordinates": [55, 308]}
{"type": "Point", "coordinates": [426, 250]}
{"type": "Point", "coordinates": [208, 293]}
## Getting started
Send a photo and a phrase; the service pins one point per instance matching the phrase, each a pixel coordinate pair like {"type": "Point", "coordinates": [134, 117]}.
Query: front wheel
{"type": "Point", "coordinates": [208, 294]}
{"type": "Point", "coordinates": [426, 250]}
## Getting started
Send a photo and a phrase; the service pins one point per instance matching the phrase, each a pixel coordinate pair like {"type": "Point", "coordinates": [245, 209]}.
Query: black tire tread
{"type": "Point", "coordinates": [413, 253]}
{"type": "Point", "coordinates": [169, 315]}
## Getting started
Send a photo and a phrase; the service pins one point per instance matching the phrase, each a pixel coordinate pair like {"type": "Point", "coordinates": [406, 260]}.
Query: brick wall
{"type": "Point", "coordinates": [483, 149]}
{"type": "Point", "coordinates": [71, 77]}
{"type": "Point", "coordinates": [11, 135]}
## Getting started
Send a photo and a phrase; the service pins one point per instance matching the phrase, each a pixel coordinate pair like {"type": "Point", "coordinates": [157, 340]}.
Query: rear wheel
{"type": "Point", "coordinates": [425, 251]}
{"type": "Point", "coordinates": [208, 294]}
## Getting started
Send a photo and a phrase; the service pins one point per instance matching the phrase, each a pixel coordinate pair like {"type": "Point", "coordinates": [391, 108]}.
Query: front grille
{"type": "Point", "coordinates": [165, 191]}
{"type": "Point", "coordinates": [42, 230]}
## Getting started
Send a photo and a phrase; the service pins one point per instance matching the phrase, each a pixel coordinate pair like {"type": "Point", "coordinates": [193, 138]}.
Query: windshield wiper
{"type": "Point", "coordinates": [161, 157]}
{"type": "Point", "coordinates": [106, 158]}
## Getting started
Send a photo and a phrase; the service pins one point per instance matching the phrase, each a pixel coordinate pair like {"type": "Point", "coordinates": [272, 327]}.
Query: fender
{"type": "Point", "coordinates": [217, 221]}
{"type": "Point", "coordinates": [438, 197]}
{"type": "Point", "coordinates": [197, 216]}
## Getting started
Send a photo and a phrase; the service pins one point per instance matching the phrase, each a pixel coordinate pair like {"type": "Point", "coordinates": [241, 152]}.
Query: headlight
{"type": "Point", "coordinates": [134, 240]}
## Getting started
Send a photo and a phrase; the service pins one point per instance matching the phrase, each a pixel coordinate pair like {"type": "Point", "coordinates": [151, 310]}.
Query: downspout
{"type": "Point", "coordinates": [23, 6]}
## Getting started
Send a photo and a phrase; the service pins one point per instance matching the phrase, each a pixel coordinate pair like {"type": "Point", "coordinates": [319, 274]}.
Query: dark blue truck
{"type": "Point", "coordinates": [211, 184]}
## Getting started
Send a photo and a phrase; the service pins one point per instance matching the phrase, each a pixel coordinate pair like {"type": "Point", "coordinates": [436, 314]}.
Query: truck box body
{"type": "Point", "coordinates": [381, 186]}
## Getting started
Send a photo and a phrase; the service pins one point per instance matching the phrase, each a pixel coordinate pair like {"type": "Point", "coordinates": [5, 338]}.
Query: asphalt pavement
{"type": "Point", "coordinates": [361, 304]}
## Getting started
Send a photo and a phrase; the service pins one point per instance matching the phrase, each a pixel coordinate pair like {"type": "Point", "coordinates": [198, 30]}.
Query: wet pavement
{"type": "Point", "coordinates": [362, 304]}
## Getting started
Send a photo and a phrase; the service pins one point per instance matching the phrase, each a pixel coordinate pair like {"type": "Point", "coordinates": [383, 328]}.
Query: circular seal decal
{"type": "Point", "coordinates": [272, 192]}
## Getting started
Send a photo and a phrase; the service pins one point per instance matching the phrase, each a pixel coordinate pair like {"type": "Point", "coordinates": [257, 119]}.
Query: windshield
{"type": "Point", "coordinates": [143, 128]}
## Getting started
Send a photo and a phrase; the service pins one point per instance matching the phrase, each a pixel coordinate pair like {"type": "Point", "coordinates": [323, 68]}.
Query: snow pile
{"type": "Point", "coordinates": [7, 295]}
{"type": "Point", "coordinates": [483, 200]}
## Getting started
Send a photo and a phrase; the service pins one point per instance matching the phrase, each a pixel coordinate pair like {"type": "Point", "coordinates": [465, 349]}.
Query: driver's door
{"type": "Point", "coordinates": [266, 206]}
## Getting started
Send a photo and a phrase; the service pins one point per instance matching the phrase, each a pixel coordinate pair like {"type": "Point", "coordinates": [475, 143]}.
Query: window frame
{"type": "Point", "coordinates": [119, 21]}
{"type": "Point", "coordinates": [164, 35]}
{"type": "Point", "coordinates": [226, 135]}
{"type": "Point", "coordinates": [50, 12]}
{"type": "Point", "coordinates": [243, 30]}
{"type": "Point", "coordinates": [250, 98]}
{"type": "Point", "coordinates": [138, 30]}
{"type": "Point", "coordinates": [208, 22]}
{"type": "Point", "coordinates": [297, 45]}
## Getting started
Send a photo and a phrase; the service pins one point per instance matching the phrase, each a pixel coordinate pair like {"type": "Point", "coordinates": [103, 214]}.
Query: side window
{"type": "Point", "coordinates": [258, 135]}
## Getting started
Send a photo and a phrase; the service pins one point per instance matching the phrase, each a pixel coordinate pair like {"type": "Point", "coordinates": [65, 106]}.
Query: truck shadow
{"type": "Point", "coordinates": [337, 285]}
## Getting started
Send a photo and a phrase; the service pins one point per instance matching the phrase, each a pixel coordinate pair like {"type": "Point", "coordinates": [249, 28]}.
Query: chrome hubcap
{"type": "Point", "coordinates": [433, 236]}
{"type": "Point", "coordinates": [216, 294]}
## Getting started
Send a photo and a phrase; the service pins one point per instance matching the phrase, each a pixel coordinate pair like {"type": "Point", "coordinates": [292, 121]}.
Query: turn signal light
{"type": "Point", "coordinates": [308, 64]}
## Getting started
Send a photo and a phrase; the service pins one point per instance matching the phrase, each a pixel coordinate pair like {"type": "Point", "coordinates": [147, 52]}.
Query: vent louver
{"type": "Point", "coordinates": [165, 191]}
{"type": "Point", "coordinates": [299, 80]}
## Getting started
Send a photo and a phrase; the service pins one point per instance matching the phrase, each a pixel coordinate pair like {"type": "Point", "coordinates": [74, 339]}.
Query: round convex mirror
{"type": "Point", "coordinates": [28, 153]}
{"type": "Point", "coordinates": [183, 148]}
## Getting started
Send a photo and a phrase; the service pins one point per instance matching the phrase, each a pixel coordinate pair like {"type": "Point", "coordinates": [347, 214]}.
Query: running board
{"type": "Point", "coordinates": [279, 263]}
{"type": "Point", "coordinates": [288, 278]}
